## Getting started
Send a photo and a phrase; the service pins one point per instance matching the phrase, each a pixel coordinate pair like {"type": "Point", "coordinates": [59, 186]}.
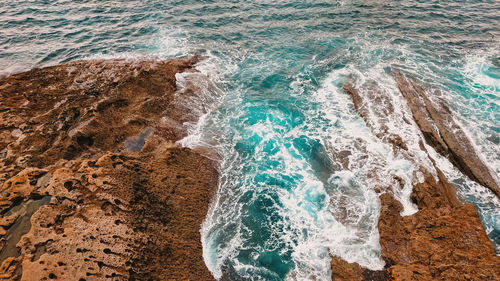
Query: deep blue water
{"type": "Point", "coordinates": [277, 115]}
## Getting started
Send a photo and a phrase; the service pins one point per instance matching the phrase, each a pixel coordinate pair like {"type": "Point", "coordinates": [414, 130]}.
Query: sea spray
{"type": "Point", "coordinates": [295, 158]}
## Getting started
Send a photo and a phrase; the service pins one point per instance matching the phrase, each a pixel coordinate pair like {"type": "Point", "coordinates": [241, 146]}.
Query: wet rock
{"type": "Point", "coordinates": [397, 141]}
{"type": "Point", "coordinates": [344, 271]}
{"type": "Point", "coordinates": [376, 108]}
{"type": "Point", "coordinates": [18, 224]}
{"type": "Point", "coordinates": [445, 239]}
{"type": "Point", "coordinates": [444, 134]}
{"type": "Point", "coordinates": [448, 243]}
{"type": "Point", "coordinates": [126, 203]}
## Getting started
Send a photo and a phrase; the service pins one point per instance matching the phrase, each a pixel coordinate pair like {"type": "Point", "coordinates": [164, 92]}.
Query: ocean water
{"type": "Point", "coordinates": [298, 166]}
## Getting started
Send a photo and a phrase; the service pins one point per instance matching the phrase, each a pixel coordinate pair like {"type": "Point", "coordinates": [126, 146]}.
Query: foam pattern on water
{"type": "Point", "coordinates": [298, 166]}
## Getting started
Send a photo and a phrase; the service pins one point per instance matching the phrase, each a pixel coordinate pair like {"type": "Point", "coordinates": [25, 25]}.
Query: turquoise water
{"type": "Point", "coordinates": [296, 161]}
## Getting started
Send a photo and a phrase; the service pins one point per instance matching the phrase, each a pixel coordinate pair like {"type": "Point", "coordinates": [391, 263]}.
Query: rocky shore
{"type": "Point", "coordinates": [445, 239]}
{"type": "Point", "coordinates": [93, 186]}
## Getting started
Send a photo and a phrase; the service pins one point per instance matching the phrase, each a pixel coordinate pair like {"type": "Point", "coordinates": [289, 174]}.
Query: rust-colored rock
{"type": "Point", "coordinates": [93, 185]}
{"type": "Point", "coordinates": [434, 194]}
{"type": "Point", "coordinates": [445, 239]}
{"type": "Point", "coordinates": [62, 112]}
{"type": "Point", "coordinates": [344, 271]}
{"type": "Point", "coordinates": [448, 243]}
{"type": "Point", "coordinates": [444, 134]}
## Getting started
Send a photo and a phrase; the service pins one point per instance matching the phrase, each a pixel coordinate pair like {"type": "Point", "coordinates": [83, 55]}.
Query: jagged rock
{"type": "Point", "coordinates": [344, 271]}
{"type": "Point", "coordinates": [376, 109]}
{"type": "Point", "coordinates": [432, 194]}
{"type": "Point", "coordinates": [445, 239]}
{"type": "Point", "coordinates": [126, 203]}
{"type": "Point", "coordinates": [448, 243]}
{"type": "Point", "coordinates": [444, 134]}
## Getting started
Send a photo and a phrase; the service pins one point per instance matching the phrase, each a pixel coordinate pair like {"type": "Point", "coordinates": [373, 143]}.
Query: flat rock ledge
{"type": "Point", "coordinates": [445, 239]}
{"type": "Point", "coordinates": [93, 186]}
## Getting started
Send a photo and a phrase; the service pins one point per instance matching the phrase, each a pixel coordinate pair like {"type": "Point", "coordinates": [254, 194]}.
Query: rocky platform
{"type": "Point", "coordinates": [93, 186]}
{"type": "Point", "coordinates": [445, 239]}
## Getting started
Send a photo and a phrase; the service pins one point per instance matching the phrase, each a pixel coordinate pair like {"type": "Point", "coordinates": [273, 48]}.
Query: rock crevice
{"type": "Point", "coordinates": [445, 239]}
{"type": "Point", "coordinates": [444, 134]}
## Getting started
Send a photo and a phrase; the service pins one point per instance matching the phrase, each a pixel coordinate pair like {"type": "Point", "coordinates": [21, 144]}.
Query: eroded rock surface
{"type": "Point", "coordinates": [116, 198]}
{"type": "Point", "coordinates": [444, 134]}
{"type": "Point", "coordinates": [439, 242]}
{"type": "Point", "coordinates": [445, 239]}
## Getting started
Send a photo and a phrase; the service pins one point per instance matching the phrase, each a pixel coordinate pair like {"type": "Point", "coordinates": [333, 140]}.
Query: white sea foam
{"type": "Point", "coordinates": [206, 98]}
{"type": "Point", "coordinates": [337, 215]}
{"type": "Point", "coordinates": [310, 212]}
{"type": "Point", "coordinates": [478, 116]}
{"type": "Point", "coordinates": [480, 70]}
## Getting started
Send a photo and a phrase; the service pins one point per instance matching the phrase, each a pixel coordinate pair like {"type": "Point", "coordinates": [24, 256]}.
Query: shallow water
{"type": "Point", "coordinates": [297, 162]}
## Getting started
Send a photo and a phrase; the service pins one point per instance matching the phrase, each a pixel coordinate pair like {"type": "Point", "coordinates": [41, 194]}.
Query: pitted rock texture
{"type": "Point", "coordinates": [83, 107]}
{"type": "Point", "coordinates": [116, 198]}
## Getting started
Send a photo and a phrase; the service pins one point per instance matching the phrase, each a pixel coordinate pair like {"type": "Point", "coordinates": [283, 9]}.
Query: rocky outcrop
{"type": "Point", "coordinates": [444, 134]}
{"type": "Point", "coordinates": [376, 109]}
{"type": "Point", "coordinates": [445, 239]}
{"type": "Point", "coordinates": [93, 185]}
{"type": "Point", "coordinates": [83, 107]}
{"type": "Point", "coordinates": [343, 271]}
{"type": "Point", "coordinates": [439, 242]}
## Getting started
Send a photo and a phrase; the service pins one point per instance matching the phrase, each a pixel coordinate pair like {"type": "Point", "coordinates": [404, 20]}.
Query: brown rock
{"type": "Point", "coordinates": [444, 134]}
{"type": "Point", "coordinates": [19, 187]}
{"type": "Point", "coordinates": [344, 271]}
{"type": "Point", "coordinates": [445, 239]}
{"type": "Point", "coordinates": [442, 241]}
{"type": "Point", "coordinates": [7, 269]}
{"type": "Point", "coordinates": [126, 203]}
{"type": "Point", "coordinates": [434, 194]}
{"type": "Point", "coordinates": [390, 227]}
{"type": "Point", "coordinates": [61, 112]}
{"type": "Point", "coordinates": [127, 217]}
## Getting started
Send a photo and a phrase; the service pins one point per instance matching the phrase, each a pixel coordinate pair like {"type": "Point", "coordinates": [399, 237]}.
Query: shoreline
{"type": "Point", "coordinates": [445, 238]}
{"type": "Point", "coordinates": [94, 185]}
{"type": "Point", "coordinates": [119, 198]}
